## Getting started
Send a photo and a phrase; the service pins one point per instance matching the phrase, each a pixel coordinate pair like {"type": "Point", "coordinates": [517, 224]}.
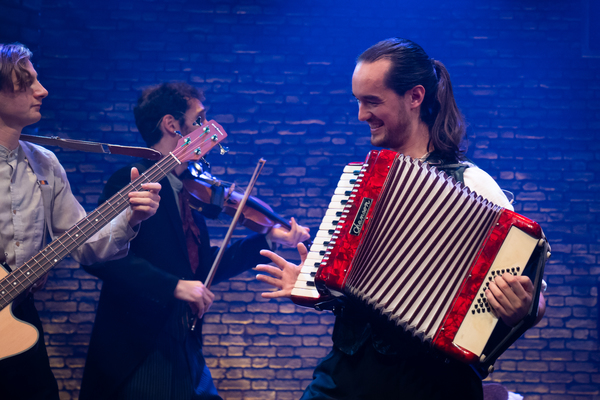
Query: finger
{"type": "Point", "coordinates": [305, 233]}
{"type": "Point", "coordinates": [134, 174]}
{"type": "Point", "coordinates": [201, 307]}
{"type": "Point", "coordinates": [273, 295]}
{"type": "Point", "coordinates": [136, 206]}
{"type": "Point", "coordinates": [141, 198]}
{"type": "Point", "coordinates": [293, 231]}
{"type": "Point", "coordinates": [269, 269]}
{"type": "Point", "coordinates": [141, 201]}
{"type": "Point", "coordinates": [153, 187]}
{"type": "Point", "coordinates": [303, 251]}
{"type": "Point", "coordinates": [496, 306]}
{"type": "Point", "coordinates": [211, 295]}
{"type": "Point", "coordinates": [273, 257]}
{"type": "Point", "coordinates": [146, 194]}
{"type": "Point", "coordinates": [270, 280]}
{"type": "Point", "coordinates": [500, 290]}
{"type": "Point", "coordinates": [515, 286]}
{"type": "Point", "coordinates": [525, 283]}
{"type": "Point", "coordinates": [207, 301]}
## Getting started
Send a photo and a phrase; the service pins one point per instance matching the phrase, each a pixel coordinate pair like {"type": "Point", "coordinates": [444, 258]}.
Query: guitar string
{"type": "Point", "coordinates": [12, 282]}
{"type": "Point", "coordinates": [84, 227]}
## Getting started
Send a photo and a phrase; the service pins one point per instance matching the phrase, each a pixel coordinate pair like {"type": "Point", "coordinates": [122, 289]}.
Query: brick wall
{"type": "Point", "coordinates": [277, 76]}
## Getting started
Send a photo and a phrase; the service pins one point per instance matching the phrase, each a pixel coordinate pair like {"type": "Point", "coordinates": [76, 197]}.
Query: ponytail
{"type": "Point", "coordinates": [448, 128]}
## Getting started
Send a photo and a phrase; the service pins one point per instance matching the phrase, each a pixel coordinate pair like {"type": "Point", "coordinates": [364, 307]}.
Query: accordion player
{"type": "Point", "coordinates": [419, 248]}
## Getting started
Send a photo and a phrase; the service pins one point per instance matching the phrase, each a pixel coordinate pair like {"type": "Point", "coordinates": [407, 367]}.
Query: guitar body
{"type": "Point", "coordinates": [17, 336]}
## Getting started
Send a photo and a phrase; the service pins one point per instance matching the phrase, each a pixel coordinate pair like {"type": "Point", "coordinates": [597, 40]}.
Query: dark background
{"type": "Point", "coordinates": [277, 77]}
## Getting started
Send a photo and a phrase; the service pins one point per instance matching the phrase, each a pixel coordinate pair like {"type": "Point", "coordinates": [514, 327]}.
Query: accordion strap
{"type": "Point", "coordinates": [447, 163]}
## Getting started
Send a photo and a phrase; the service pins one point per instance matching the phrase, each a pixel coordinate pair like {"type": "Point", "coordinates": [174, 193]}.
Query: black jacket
{"type": "Point", "coordinates": [136, 300]}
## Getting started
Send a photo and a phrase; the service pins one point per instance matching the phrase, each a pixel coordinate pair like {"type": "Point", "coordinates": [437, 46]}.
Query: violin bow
{"type": "Point", "coordinates": [234, 222]}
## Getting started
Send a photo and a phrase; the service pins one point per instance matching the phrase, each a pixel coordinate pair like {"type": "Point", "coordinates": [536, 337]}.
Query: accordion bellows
{"type": "Point", "coordinates": [419, 248]}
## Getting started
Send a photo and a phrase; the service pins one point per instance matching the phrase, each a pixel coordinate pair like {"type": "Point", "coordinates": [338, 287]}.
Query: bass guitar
{"type": "Point", "coordinates": [18, 336]}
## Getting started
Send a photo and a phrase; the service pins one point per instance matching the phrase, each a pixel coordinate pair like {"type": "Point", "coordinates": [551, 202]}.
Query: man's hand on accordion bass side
{"type": "Point", "coordinates": [510, 296]}
{"type": "Point", "coordinates": [283, 275]}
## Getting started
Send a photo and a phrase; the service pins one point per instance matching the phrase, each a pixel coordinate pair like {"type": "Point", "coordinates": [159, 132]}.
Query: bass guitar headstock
{"type": "Point", "coordinates": [199, 142]}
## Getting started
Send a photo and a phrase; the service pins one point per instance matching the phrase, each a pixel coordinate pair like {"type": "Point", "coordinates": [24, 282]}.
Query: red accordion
{"type": "Point", "coordinates": [421, 248]}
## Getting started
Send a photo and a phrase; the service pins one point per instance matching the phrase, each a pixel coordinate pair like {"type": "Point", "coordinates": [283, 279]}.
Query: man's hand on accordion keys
{"type": "Point", "coordinates": [283, 275]}
{"type": "Point", "coordinates": [510, 296]}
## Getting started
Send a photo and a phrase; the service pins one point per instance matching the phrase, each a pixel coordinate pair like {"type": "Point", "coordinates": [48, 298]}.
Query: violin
{"type": "Point", "coordinates": [211, 196]}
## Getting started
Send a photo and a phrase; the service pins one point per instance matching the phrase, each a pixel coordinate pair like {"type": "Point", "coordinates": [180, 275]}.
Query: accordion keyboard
{"type": "Point", "coordinates": [326, 235]}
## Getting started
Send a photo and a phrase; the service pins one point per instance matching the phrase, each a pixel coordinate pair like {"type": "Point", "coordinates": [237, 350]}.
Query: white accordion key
{"type": "Point", "coordinates": [348, 180]}
{"type": "Point", "coordinates": [309, 292]}
{"type": "Point", "coordinates": [329, 223]}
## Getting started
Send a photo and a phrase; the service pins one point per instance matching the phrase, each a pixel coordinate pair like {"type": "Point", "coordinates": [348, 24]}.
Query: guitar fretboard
{"type": "Point", "coordinates": [193, 146]}
{"type": "Point", "coordinates": [27, 274]}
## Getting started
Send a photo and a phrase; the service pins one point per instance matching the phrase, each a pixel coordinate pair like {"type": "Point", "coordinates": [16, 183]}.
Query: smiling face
{"type": "Point", "coordinates": [391, 117]}
{"type": "Point", "coordinates": [21, 107]}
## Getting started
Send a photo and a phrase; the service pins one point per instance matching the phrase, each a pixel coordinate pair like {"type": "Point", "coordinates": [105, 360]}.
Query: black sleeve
{"type": "Point", "coordinates": [133, 273]}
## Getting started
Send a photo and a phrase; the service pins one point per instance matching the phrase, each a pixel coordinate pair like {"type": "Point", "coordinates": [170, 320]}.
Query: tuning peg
{"type": "Point", "coordinates": [224, 149]}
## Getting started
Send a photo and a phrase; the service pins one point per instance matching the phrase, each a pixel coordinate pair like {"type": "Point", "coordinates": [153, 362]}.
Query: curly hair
{"type": "Point", "coordinates": [410, 67]}
{"type": "Point", "coordinates": [160, 100]}
{"type": "Point", "coordinates": [14, 57]}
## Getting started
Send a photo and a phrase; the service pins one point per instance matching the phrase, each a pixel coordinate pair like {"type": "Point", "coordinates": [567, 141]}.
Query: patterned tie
{"type": "Point", "coordinates": [190, 229]}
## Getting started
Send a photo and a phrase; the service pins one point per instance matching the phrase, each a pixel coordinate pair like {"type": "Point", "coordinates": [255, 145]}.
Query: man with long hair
{"type": "Point", "coordinates": [406, 98]}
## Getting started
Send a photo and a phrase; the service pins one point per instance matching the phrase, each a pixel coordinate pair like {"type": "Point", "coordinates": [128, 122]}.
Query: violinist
{"type": "Point", "coordinates": [142, 344]}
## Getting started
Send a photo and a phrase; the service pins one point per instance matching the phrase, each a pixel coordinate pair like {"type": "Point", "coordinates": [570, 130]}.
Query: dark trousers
{"type": "Point", "coordinates": [368, 375]}
{"type": "Point", "coordinates": [171, 371]}
{"type": "Point", "coordinates": [28, 376]}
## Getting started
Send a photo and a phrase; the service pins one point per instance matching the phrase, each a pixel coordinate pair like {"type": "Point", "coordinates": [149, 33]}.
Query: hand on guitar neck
{"type": "Point", "coordinates": [283, 275]}
{"type": "Point", "coordinates": [143, 204]}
